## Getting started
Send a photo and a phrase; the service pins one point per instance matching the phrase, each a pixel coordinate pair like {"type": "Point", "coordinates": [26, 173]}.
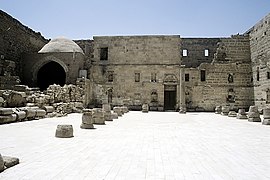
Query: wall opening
{"type": "Point", "coordinates": [50, 73]}
{"type": "Point", "coordinates": [169, 97]}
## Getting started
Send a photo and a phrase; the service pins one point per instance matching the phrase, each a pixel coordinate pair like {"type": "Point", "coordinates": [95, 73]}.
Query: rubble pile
{"type": "Point", "coordinates": [24, 103]}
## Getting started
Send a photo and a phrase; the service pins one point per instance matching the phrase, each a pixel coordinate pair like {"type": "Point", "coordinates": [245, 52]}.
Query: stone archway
{"type": "Point", "coordinates": [50, 73]}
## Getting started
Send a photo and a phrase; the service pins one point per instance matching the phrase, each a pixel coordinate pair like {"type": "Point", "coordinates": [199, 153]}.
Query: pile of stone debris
{"type": "Point", "coordinates": [26, 103]}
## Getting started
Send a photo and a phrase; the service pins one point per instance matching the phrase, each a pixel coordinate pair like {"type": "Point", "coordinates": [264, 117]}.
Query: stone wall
{"type": "Point", "coordinates": [16, 39]}
{"type": "Point", "coordinates": [71, 63]}
{"type": "Point", "coordinates": [147, 56]}
{"type": "Point", "coordinates": [196, 50]}
{"type": "Point", "coordinates": [260, 56]}
{"type": "Point", "coordinates": [228, 78]}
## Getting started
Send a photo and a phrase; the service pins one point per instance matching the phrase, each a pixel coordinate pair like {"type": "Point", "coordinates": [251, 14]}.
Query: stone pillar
{"type": "Point", "coordinates": [266, 116]}
{"type": "Point", "coordinates": [182, 94]}
{"type": "Point", "coordinates": [241, 114]}
{"type": "Point", "coordinates": [64, 131]}
{"type": "Point", "coordinates": [253, 114]}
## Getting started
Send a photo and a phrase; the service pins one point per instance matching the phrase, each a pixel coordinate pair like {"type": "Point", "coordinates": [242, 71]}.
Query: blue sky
{"type": "Point", "coordinates": [82, 19]}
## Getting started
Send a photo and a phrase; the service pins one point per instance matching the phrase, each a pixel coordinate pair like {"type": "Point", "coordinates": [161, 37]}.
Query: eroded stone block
{"type": "Point", "coordinates": [64, 131]}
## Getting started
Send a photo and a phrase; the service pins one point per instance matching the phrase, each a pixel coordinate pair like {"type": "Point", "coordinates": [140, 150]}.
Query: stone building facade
{"type": "Point", "coordinates": [165, 72]}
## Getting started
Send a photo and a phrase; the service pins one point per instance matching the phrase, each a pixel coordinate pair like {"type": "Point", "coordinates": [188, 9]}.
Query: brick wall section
{"type": "Point", "coordinates": [260, 56]}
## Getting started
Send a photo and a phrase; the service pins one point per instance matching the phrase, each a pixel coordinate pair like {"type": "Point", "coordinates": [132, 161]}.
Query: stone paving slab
{"type": "Point", "coordinates": [154, 145]}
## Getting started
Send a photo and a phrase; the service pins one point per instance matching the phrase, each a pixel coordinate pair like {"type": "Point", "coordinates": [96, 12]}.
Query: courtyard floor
{"type": "Point", "coordinates": [154, 145]}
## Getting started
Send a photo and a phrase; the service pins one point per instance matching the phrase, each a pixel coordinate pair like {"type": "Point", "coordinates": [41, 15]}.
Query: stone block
{"type": "Point", "coordinates": [225, 110]}
{"type": "Point", "coordinates": [10, 161]}
{"type": "Point", "coordinates": [266, 116]}
{"type": "Point", "coordinates": [87, 126]}
{"type": "Point", "coordinates": [6, 111]}
{"type": "Point", "coordinates": [40, 113]}
{"type": "Point", "coordinates": [232, 114]}
{"type": "Point", "coordinates": [145, 108]}
{"type": "Point", "coordinates": [48, 109]}
{"type": "Point", "coordinates": [2, 167]}
{"type": "Point", "coordinates": [64, 131]}
{"type": "Point", "coordinates": [98, 116]}
{"type": "Point", "coordinates": [241, 114]}
{"type": "Point", "coordinates": [253, 114]}
{"type": "Point", "coordinates": [218, 109]}
{"type": "Point", "coordinates": [16, 99]}
{"type": "Point", "coordinates": [114, 116]}
{"type": "Point", "coordinates": [8, 118]}
{"type": "Point", "coordinates": [20, 115]}
{"type": "Point", "coordinates": [30, 112]}
{"type": "Point", "coordinates": [118, 110]}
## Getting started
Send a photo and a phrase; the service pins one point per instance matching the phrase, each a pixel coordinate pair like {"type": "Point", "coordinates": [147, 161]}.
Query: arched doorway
{"type": "Point", "coordinates": [50, 73]}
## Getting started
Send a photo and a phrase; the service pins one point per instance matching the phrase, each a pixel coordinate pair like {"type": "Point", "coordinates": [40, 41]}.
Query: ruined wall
{"type": "Point", "coordinates": [260, 56]}
{"type": "Point", "coordinates": [16, 39]}
{"type": "Point", "coordinates": [228, 78]}
{"type": "Point", "coordinates": [129, 55]}
{"type": "Point", "coordinates": [196, 50]}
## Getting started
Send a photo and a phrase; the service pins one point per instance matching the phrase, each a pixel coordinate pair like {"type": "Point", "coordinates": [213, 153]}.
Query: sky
{"type": "Point", "coordinates": [83, 19]}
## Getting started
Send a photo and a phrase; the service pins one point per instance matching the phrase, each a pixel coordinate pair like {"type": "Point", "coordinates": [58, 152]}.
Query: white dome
{"type": "Point", "coordinates": [61, 45]}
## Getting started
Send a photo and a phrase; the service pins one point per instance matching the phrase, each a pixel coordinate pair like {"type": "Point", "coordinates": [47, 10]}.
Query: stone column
{"type": "Point", "coordinates": [182, 94]}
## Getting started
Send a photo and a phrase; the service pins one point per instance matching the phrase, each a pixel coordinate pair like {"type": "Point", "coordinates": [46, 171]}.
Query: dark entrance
{"type": "Point", "coordinates": [50, 73]}
{"type": "Point", "coordinates": [169, 97]}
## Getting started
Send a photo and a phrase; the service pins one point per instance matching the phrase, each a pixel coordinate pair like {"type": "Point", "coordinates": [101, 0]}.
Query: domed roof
{"type": "Point", "coordinates": [61, 45]}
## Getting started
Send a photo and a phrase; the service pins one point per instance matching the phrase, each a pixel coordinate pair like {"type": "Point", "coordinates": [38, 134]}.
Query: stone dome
{"type": "Point", "coordinates": [61, 45]}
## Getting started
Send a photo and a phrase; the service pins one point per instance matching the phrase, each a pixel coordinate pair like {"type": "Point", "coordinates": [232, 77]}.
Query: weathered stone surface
{"type": "Point", "coordinates": [48, 109]}
{"type": "Point", "coordinates": [8, 118]}
{"type": "Point", "coordinates": [1, 163]}
{"type": "Point", "coordinates": [266, 116]}
{"type": "Point", "coordinates": [114, 115]}
{"type": "Point", "coordinates": [16, 99]}
{"type": "Point", "coordinates": [145, 108]}
{"type": "Point", "coordinates": [232, 114]}
{"type": "Point", "coordinates": [30, 112]}
{"type": "Point", "coordinates": [6, 111]}
{"type": "Point", "coordinates": [107, 112]}
{"type": "Point", "coordinates": [40, 113]}
{"type": "Point", "coordinates": [98, 116]}
{"type": "Point", "coordinates": [20, 115]}
{"type": "Point", "coordinates": [218, 109]}
{"type": "Point", "coordinates": [225, 110]}
{"type": "Point", "coordinates": [10, 161]}
{"type": "Point", "coordinates": [118, 111]}
{"type": "Point", "coordinates": [253, 114]}
{"type": "Point", "coordinates": [64, 131]}
{"type": "Point", "coordinates": [87, 126]}
{"type": "Point", "coordinates": [241, 114]}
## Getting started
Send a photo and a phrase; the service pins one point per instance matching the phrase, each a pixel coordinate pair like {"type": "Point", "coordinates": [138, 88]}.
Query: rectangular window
{"type": "Point", "coordinates": [104, 53]}
{"type": "Point", "coordinates": [153, 77]}
{"type": "Point", "coordinates": [185, 52]}
{"type": "Point", "coordinates": [137, 77]}
{"type": "Point", "coordinates": [203, 78]}
{"type": "Point", "coordinates": [268, 75]}
{"type": "Point", "coordinates": [206, 52]}
{"type": "Point", "coordinates": [186, 77]}
{"type": "Point", "coordinates": [110, 76]}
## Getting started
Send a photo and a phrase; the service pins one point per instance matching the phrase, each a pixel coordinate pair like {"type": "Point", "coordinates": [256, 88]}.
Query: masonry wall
{"type": "Point", "coordinates": [128, 55]}
{"type": "Point", "coordinates": [230, 59]}
{"type": "Point", "coordinates": [16, 39]}
{"type": "Point", "coordinates": [70, 62]}
{"type": "Point", "coordinates": [260, 56]}
{"type": "Point", "coordinates": [196, 50]}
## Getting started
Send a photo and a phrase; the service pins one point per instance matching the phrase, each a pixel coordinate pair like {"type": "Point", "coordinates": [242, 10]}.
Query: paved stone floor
{"type": "Point", "coordinates": [154, 145]}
